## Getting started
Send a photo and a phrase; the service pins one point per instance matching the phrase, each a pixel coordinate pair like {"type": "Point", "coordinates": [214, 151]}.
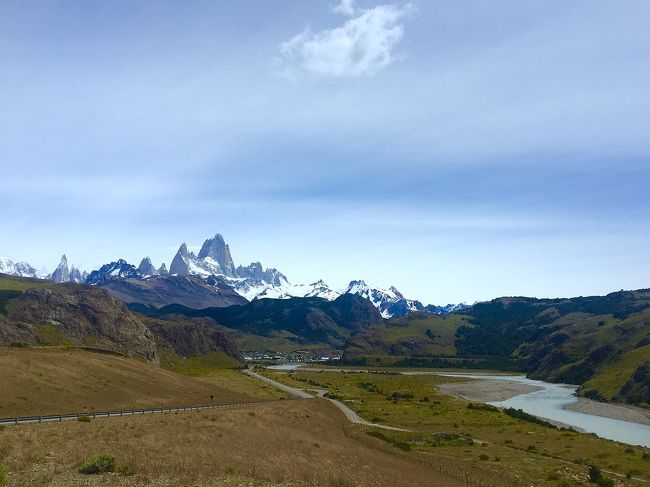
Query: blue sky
{"type": "Point", "coordinates": [459, 150]}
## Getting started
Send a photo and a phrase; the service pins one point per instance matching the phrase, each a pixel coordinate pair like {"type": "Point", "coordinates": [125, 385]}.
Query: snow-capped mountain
{"type": "Point", "coordinates": [251, 282]}
{"type": "Point", "coordinates": [283, 290]}
{"type": "Point", "coordinates": [22, 269]}
{"type": "Point", "coordinates": [215, 265]}
{"type": "Point", "coordinates": [120, 269]}
{"type": "Point", "coordinates": [214, 259]}
{"type": "Point", "coordinates": [389, 302]}
{"type": "Point", "coordinates": [443, 310]}
{"type": "Point", "coordinates": [63, 273]}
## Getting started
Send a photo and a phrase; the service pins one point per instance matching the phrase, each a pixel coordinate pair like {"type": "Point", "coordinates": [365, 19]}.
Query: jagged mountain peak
{"type": "Point", "coordinates": [218, 252]}
{"type": "Point", "coordinates": [22, 269]}
{"type": "Point", "coordinates": [146, 268]}
{"type": "Point", "coordinates": [62, 272]}
{"type": "Point", "coordinates": [119, 269]}
{"type": "Point", "coordinates": [214, 264]}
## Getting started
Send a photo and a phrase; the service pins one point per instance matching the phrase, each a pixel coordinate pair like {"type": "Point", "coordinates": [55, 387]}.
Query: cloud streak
{"type": "Point", "coordinates": [346, 7]}
{"type": "Point", "coordinates": [363, 45]}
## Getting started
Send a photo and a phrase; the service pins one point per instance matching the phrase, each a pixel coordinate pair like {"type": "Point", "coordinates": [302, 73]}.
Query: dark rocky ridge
{"type": "Point", "coordinates": [191, 291]}
{"type": "Point", "coordinates": [307, 320]}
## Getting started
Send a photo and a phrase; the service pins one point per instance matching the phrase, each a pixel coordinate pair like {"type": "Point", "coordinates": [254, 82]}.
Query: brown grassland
{"type": "Point", "coordinates": [59, 380]}
{"type": "Point", "coordinates": [279, 443]}
{"type": "Point", "coordinates": [301, 442]}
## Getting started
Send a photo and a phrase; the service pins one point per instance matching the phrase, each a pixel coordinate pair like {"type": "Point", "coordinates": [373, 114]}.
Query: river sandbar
{"type": "Point", "coordinates": [614, 411]}
{"type": "Point", "coordinates": [486, 390]}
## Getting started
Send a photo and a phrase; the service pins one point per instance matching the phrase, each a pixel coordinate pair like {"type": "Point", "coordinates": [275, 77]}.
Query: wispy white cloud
{"type": "Point", "coordinates": [362, 45]}
{"type": "Point", "coordinates": [346, 7]}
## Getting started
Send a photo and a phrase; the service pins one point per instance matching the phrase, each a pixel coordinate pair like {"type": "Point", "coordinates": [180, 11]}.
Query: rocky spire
{"type": "Point", "coordinates": [180, 263]}
{"type": "Point", "coordinates": [75, 275]}
{"type": "Point", "coordinates": [162, 271]}
{"type": "Point", "coordinates": [146, 268]}
{"type": "Point", "coordinates": [217, 249]}
{"type": "Point", "coordinates": [62, 272]}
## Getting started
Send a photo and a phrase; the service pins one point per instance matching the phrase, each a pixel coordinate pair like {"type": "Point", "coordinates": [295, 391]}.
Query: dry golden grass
{"type": "Point", "coordinates": [283, 443]}
{"type": "Point", "coordinates": [60, 380]}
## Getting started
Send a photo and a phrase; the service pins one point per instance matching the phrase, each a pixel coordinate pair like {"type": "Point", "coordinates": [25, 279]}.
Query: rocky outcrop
{"type": "Point", "coordinates": [191, 338]}
{"type": "Point", "coordinates": [83, 316]}
{"type": "Point", "coordinates": [637, 389]}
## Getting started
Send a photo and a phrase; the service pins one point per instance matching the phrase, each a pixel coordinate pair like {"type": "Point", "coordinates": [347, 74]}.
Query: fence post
{"type": "Point", "coordinates": [40, 419]}
{"type": "Point", "coordinates": [60, 417]}
{"type": "Point", "coordinates": [94, 414]}
{"type": "Point", "coordinates": [16, 420]}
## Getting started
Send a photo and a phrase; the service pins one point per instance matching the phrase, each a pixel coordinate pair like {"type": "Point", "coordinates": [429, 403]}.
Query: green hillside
{"type": "Point", "coordinates": [416, 334]}
{"type": "Point", "coordinates": [285, 324]}
{"type": "Point", "coordinates": [600, 342]}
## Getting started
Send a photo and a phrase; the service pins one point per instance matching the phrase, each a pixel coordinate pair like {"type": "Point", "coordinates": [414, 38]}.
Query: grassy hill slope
{"type": "Point", "coordinates": [416, 334]}
{"type": "Point", "coordinates": [54, 380]}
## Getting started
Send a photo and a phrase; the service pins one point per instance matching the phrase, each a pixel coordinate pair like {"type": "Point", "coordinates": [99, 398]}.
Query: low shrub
{"type": "Point", "coordinates": [84, 419]}
{"type": "Point", "coordinates": [520, 414]}
{"type": "Point", "coordinates": [399, 395]}
{"type": "Point", "coordinates": [482, 407]}
{"type": "Point", "coordinates": [450, 439]}
{"type": "Point", "coordinates": [3, 475]}
{"type": "Point", "coordinates": [484, 457]}
{"type": "Point", "coordinates": [369, 386]}
{"type": "Point", "coordinates": [596, 477]}
{"type": "Point", "coordinates": [125, 470]}
{"type": "Point", "coordinates": [332, 395]}
{"type": "Point", "coordinates": [594, 474]}
{"type": "Point", "coordinates": [553, 476]}
{"type": "Point", "coordinates": [98, 464]}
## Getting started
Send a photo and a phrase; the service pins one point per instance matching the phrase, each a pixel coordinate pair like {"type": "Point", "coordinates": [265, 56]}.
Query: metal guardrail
{"type": "Point", "coordinates": [122, 412]}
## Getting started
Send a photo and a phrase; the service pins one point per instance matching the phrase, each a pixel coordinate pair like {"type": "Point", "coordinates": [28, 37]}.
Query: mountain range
{"type": "Point", "coordinates": [211, 278]}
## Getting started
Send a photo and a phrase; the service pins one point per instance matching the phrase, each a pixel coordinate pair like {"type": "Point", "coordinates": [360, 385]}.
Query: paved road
{"type": "Point", "coordinates": [290, 390]}
{"type": "Point", "coordinates": [349, 413]}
